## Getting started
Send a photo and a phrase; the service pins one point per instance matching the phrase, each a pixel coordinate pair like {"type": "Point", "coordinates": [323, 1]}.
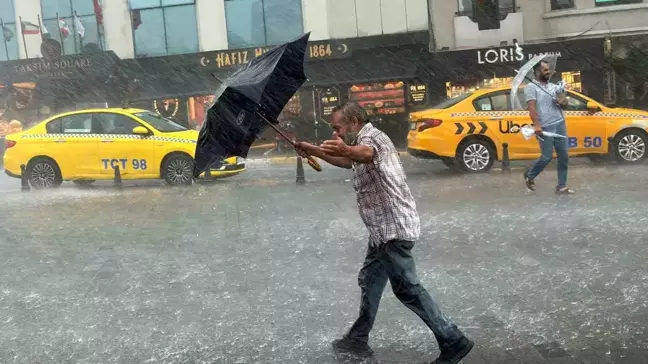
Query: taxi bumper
{"type": "Point", "coordinates": [11, 166]}
{"type": "Point", "coordinates": [429, 145]}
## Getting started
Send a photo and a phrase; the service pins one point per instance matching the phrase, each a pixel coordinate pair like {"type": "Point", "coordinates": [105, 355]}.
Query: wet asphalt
{"type": "Point", "coordinates": [258, 269]}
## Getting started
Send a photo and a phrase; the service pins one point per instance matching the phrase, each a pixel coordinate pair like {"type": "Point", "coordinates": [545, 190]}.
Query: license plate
{"type": "Point", "coordinates": [412, 126]}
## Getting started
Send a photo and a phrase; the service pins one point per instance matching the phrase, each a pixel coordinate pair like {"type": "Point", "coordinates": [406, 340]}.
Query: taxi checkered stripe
{"type": "Point", "coordinates": [106, 136]}
{"type": "Point", "coordinates": [524, 113]}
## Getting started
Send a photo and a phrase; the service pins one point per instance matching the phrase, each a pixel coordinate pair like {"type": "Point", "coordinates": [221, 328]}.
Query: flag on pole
{"type": "Point", "coordinates": [29, 28]}
{"type": "Point", "coordinates": [98, 12]}
{"type": "Point", "coordinates": [7, 33]}
{"type": "Point", "coordinates": [136, 18]}
{"type": "Point", "coordinates": [44, 31]}
{"type": "Point", "coordinates": [80, 29]}
{"type": "Point", "coordinates": [63, 27]}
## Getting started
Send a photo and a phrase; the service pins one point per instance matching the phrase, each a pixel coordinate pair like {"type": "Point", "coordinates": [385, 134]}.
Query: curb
{"type": "Point", "coordinates": [293, 159]}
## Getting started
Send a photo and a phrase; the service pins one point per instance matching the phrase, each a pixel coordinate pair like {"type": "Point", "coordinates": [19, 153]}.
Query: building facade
{"type": "Point", "coordinates": [613, 23]}
{"type": "Point", "coordinates": [392, 56]}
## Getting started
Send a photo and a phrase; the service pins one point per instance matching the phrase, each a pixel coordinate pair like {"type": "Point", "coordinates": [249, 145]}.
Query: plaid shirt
{"type": "Point", "coordinates": [384, 200]}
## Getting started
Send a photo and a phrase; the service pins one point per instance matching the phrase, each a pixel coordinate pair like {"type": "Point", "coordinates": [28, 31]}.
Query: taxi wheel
{"type": "Point", "coordinates": [475, 156]}
{"type": "Point", "coordinates": [177, 170]}
{"type": "Point", "coordinates": [43, 173]}
{"type": "Point", "coordinates": [630, 146]}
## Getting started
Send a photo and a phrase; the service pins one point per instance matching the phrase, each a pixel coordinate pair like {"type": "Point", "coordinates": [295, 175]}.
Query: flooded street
{"type": "Point", "coordinates": [257, 269]}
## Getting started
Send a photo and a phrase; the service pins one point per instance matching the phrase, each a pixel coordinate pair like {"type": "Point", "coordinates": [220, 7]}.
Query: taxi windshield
{"type": "Point", "coordinates": [448, 103]}
{"type": "Point", "coordinates": [160, 123]}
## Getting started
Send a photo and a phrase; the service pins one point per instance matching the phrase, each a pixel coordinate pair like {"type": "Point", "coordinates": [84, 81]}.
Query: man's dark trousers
{"type": "Point", "coordinates": [393, 261]}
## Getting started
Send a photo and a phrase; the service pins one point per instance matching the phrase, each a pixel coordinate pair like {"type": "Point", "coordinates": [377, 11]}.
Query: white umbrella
{"type": "Point", "coordinates": [526, 74]}
{"type": "Point", "coordinates": [529, 132]}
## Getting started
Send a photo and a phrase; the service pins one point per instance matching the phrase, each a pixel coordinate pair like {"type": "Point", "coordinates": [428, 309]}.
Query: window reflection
{"type": "Point", "coordinates": [10, 49]}
{"type": "Point", "coordinates": [253, 23]}
{"type": "Point", "coordinates": [66, 32]}
{"type": "Point", "coordinates": [164, 27]}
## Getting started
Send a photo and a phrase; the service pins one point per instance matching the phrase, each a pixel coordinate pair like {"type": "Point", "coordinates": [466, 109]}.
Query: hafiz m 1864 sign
{"type": "Point", "coordinates": [331, 49]}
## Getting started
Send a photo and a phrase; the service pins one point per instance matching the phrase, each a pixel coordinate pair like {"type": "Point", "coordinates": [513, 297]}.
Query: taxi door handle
{"type": "Point", "coordinates": [107, 141]}
{"type": "Point", "coordinates": [60, 141]}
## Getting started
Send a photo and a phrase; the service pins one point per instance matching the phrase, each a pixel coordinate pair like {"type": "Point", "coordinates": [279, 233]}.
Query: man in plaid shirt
{"type": "Point", "coordinates": [388, 210]}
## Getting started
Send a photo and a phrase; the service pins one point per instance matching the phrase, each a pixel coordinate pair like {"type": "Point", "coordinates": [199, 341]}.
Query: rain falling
{"type": "Point", "coordinates": [324, 181]}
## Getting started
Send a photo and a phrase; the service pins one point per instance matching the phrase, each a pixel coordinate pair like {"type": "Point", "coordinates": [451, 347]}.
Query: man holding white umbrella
{"type": "Point", "coordinates": [545, 102]}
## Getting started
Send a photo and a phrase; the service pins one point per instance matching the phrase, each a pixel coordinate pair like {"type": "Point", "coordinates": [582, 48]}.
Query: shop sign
{"type": "Point", "coordinates": [332, 49]}
{"type": "Point", "coordinates": [53, 69]}
{"type": "Point", "coordinates": [418, 93]}
{"type": "Point", "coordinates": [507, 55]}
{"type": "Point", "coordinates": [328, 98]}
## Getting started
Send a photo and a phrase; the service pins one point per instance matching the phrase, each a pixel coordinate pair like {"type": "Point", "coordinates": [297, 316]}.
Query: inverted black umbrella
{"type": "Point", "coordinates": [248, 101]}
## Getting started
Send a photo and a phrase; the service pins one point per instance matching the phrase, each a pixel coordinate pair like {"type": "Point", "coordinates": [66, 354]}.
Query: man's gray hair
{"type": "Point", "coordinates": [352, 109]}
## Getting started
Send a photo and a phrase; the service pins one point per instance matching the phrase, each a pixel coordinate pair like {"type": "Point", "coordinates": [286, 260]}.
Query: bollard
{"type": "Point", "coordinates": [24, 181]}
{"type": "Point", "coordinates": [301, 179]}
{"type": "Point", "coordinates": [506, 162]}
{"type": "Point", "coordinates": [117, 180]}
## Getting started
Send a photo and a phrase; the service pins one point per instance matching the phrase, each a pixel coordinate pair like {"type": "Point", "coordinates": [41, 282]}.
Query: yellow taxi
{"type": "Point", "coordinates": [88, 145]}
{"type": "Point", "coordinates": [468, 132]}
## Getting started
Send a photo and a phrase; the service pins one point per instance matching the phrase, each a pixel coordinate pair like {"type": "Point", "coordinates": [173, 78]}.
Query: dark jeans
{"type": "Point", "coordinates": [393, 261]}
{"type": "Point", "coordinates": [547, 147]}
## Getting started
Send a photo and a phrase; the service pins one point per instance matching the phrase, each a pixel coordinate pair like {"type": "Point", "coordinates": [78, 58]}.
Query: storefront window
{"type": "Point", "coordinates": [254, 23]}
{"type": "Point", "coordinates": [380, 98]}
{"type": "Point", "coordinates": [9, 31]}
{"type": "Point", "coordinates": [72, 39]}
{"type": "Point", "coordinates": [456, 88]}
{"type": "Point", "coordinates": [294, 105]}
{"type": "Point", "coordinates": [616, 2]}
{"type": "Point", "coordinates": [164, 27]}
{"type": "Point", "coordinates": [573, 81]}
{"type": "Point", "coordinates": [198, 106]}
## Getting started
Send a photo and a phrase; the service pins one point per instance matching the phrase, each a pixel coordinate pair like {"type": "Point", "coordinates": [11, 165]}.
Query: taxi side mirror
{"type": "Point", "coordinates": [140, 130]}
{"type": "Point", "coordinates": [592, 106]}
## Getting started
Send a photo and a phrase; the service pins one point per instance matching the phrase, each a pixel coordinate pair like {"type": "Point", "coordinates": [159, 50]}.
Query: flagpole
{"type": "Point", "coordinates": [98, 7]}
{"type": "Point", "coordinates": [40, 27]}
{"type": "Point", "coordinates": [74, 30]}
{"type": "Point", "coordinates": [4, 38]}
{"type": "Point", "coordinates": [58, 26]}
{"type": "Point", "coordinates": [22, 31]}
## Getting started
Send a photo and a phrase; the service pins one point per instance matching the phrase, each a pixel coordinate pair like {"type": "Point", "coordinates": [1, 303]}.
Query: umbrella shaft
{"type": "Point", "coordinates": [276, 129]}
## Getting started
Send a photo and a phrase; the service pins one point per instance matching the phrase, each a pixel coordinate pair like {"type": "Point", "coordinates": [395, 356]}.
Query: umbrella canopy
{"type": "Point", "coordinates": [526, 74]}
{"type": "Point", "coordinates": [253, 95]}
